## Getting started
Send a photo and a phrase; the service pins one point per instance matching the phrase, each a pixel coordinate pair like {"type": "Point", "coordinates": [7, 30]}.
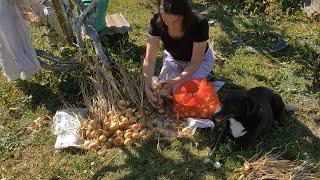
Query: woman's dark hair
{"type": "Point", "coordinates": [176, 7]}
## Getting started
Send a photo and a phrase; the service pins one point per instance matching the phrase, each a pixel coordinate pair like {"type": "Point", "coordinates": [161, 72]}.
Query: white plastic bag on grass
{"type": "Point", "coordinates": [66, 126]}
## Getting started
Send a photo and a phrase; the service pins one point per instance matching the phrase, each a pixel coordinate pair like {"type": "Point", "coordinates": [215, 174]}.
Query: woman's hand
{"type": "Point", "coordinates": [168, 86]}
{"type": "Point", "coordinates": [151, 98]}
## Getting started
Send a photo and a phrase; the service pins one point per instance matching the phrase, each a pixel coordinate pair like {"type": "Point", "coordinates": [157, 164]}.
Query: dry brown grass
{"type": "Point", "coordinates": [270, 166]}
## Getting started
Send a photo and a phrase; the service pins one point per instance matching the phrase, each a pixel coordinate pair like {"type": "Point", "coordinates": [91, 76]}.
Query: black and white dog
{"type": "Point", "coordinates": [251, 114]}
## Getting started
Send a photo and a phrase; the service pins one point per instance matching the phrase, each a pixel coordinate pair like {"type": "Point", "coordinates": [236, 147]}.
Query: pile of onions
{"type": "Point", "coordinates": [123, 128]}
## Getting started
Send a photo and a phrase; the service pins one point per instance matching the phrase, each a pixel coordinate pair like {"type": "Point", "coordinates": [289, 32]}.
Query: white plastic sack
{"type": "Point", "coordinates": [67, 125]}
{"type": "Point", "coordinates": [195, 123]}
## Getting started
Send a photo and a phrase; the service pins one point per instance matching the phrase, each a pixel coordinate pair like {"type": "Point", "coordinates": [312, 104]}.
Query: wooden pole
{"type": "Point", "coordinates": [62, 20]}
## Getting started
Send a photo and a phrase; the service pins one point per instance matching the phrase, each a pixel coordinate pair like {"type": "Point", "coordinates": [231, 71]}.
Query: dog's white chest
{"type": "Point", "coordinates": [237, 128]}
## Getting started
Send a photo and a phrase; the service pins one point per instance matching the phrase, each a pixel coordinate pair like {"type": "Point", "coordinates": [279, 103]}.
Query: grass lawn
{"type": "Point", "coordinates": [27, 152]}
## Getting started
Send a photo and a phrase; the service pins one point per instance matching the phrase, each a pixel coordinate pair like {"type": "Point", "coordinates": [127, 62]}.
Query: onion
{"type": "Point", "coordinates": [92, 145]}
{"type": "Point", "coordinates": [93, 134]}
{"type": "Point", "coordinates": [110, 141]}
{"type": "Point", "coordinates": [136, 136]}
{"type": "Point", "coordinates": [161, 111]}
{"type": "Point", "coordinates": [98, 126]}
{"type": "Point", "coordinates": [106, 119]}
{"type": "Point", "coordinates": [88, 133]}
{"type": "Point", "coordinates": [109, 113]}
{"type": "Point", "coordinates": [186, 130]}
{"type": "Point", "coordinates": [100, 131]}
{"type": "Point", "coordinates": [118, 141]}
{"type": "Point", "coordinates": [143, 132]}
{"type": "Point", "coordinates": [106, 125]}
{"type": "Point", "coordinates": [132, 120]}
{"type": "Point", "coordinates": [128, 134]}
{"type": "Point", "coordinates": [89, 127]}
{"type": "Point", "coordinates": [119, 133]}
{"type": "Point", "coordinates": [174, 126]}
{"type": "Point", "coordinates": [129, 112]}
{"type": "Point", "coordinates": [125, 120]}
{"type": "Point", "coordinates": [135, 127]}
{"type": "Point", "coordinates": [138, 114]}
{"type": "Point", "coordinates": [166, 125]}
{"type": "Point", "coordinates": [107, 133]}
{"type": "Point", "coordinates": [114, 119]}
{"type": "Point", "coordinates": [143, 138]}
{"type": "Point", "coordinates": [154, 123]}
{"type": "Point", "coordinates": [128, 142]}
{"type": "Point", "coordinates": [108, 144]}
{"type": "Point", "coordinates": [122, 103]}
{"type": "Point", "coordinates": [86, 143]}
{"type": "Point", "coordinates": [114, 126]}
{"type": "Point", "coordinates": [143, 123]}
{"type": "Point", "coordinates": [92, 123]}
{"type": "Point", "coordinates": [122, 125]}
{"type": "Point", "coordinates": [102, 138]}
{"type": "Point", "coordinates": [86, 122]}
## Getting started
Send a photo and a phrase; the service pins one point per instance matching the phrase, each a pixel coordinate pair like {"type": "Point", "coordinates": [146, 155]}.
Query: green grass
{"type": "Point", "coordinates": [25, 154]}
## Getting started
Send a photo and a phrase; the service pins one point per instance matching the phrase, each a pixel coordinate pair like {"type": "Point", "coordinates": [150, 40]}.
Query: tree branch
{"type": "Point", "coordinates": [58, 63]}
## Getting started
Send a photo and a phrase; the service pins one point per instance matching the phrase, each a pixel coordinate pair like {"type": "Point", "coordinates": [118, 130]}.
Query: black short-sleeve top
{"type": "Point", "coordinates": [181, 48]}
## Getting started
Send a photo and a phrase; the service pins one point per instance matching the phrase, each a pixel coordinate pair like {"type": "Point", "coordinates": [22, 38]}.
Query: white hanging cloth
{"type": "Point", "coordinates": [17, 54]}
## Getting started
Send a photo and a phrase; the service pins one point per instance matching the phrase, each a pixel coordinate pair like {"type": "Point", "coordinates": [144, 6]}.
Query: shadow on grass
{"type": "Point", "coordinates": [63, 91]}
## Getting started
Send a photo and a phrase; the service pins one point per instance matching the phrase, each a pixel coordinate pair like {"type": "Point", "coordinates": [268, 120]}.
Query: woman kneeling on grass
{"type": "Point", "coordinates": [185, 37]}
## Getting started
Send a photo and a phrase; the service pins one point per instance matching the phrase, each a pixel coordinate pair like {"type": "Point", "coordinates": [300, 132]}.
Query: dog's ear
{"type": "Point", "coordinates": [251, 106]}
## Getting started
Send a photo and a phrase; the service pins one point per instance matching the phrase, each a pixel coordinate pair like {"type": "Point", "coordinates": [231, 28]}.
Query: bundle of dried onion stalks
{"type": "Point", "coordinates": [104, 88]}
{"type": "Point", "coordinates": [271, 167]}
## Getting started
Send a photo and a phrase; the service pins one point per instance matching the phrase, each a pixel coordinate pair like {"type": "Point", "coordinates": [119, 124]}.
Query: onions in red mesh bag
{"type": "Point", "coordinates": [195, 98]}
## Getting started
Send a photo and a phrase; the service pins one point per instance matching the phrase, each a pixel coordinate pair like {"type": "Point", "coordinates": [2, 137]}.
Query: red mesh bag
{"type": "Point", "coordinates": [195, 98]}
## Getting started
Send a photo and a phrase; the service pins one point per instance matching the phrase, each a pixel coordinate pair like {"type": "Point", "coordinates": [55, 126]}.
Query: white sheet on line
{"type": "Point", "coordinates": [17, 54]}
